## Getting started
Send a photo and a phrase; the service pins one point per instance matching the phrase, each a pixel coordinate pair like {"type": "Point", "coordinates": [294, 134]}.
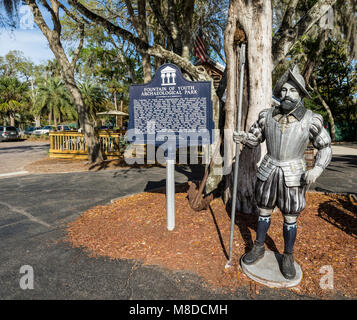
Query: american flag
{"type": "Point", "coordinates": [199, 46]}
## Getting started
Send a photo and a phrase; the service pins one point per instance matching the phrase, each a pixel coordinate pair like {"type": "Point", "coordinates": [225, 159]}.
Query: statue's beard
{"type": "Point", "coordinates": [288, 104]}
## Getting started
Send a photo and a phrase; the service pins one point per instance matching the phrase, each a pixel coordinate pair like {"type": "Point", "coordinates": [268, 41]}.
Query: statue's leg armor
{"type": "Point", "coordinates": [263, 224]}
{"type": "Point", "coordinates": [258, 249]}
{"type": "Point", "coordinates": [289, 233]}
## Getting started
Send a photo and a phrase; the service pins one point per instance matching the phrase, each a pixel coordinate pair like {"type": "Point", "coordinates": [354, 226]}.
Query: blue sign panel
{"type": "Point", "coordinates": [171, 105]}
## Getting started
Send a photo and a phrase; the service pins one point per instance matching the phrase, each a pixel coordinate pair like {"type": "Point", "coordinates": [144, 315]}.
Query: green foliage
{"type": "Point", "coordinates": [14, 64]}
{"type": "Point", "coordinates": [54, 97]}
{"type": "Point", "coordinates": [13, 97]}
{"type": "Point", "coordinates": [336, 80]}
{"type": "Point", "coordinates": [94, 98]}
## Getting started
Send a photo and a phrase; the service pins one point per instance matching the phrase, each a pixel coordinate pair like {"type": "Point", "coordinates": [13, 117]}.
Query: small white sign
{"type": "Point", "coordinates": [168, 76]}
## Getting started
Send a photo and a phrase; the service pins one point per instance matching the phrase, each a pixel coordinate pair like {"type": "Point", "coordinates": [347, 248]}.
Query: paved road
{"type": "Point", "coordinates": [15, 155]}
{"type": "Point", "coordinates": [341, 174]}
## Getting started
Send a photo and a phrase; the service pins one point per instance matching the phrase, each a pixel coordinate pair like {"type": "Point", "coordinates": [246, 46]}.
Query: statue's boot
{"type": "Point", "coordinates": [255, 254]}
{"type": "Point", "coordinates": [287, 266]}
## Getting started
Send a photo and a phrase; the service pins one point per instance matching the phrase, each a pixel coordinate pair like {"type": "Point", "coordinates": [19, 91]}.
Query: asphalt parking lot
{"type": "Point", "coordinates": [15, 155]}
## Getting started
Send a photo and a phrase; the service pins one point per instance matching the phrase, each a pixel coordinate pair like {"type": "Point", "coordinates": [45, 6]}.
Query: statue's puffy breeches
{"type": "Point", "coordinates": [274, 192]}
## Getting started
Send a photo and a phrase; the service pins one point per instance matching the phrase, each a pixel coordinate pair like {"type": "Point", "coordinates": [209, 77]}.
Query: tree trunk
{"type": "Point", "coordinates": [115, 106]}
{"type": "Point", "coordinates": [90, 135]}
{"type": "Point", "coordinates": [50, 116]}
{"type": "Point", "coordinates": [230, 104]}
{"type": "Point", "coordinates": [12, 120]}
{"type": "Point", "coordinates": [139, 23]}
{"type": "Point", "coordinates": [38, 121]}
{"type": "Point", "coordinates": [250, 21]}
{"type": "Point", "coordinates": [188, 12]}
{"type": "Point", "coordinates": [67, 73]}
{"type": "Point", "coordinates": [121, 118]}
{"type": "Point", "coordinates": [147, 68]}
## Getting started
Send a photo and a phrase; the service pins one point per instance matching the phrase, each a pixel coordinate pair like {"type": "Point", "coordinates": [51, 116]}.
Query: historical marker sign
{"type": "Point", "coordinates": [171, 103]}
{"type": "Point", "coordinates": [173, 107]}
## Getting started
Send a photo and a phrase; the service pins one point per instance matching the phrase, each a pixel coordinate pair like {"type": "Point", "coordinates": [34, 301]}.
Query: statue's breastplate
{"type": "Point", "coordinates": [287, 141]}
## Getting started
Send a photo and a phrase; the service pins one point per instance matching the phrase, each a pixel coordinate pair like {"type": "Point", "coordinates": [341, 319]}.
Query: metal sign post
{"type": "Point", "coordinates": [170, 191]}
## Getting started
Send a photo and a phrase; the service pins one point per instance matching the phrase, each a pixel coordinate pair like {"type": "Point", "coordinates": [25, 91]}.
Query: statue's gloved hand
{"type": "Point", "coordinates": [240, 137]}
{"type": "Point", "coordinates": [313, 174]}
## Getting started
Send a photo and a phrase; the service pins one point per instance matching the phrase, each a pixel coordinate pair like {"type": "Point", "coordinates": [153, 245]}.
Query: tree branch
{"type": "Point", "coordinates": [215, 48]}
{"type": "Point", "coordinates": [158, 14]}
{"type": "Point", "coordinates": [79, 48]}
{"type": "Point", "coordinates": [172, 21]}
{"type": "Point", "coordinates": [72, 16]}
{"type": "Point", "coordinates": [285, 39]}
{"type": "Point", "coordinates": [39, 18]}
{"type": "Point", "coordinates": [111, 28]}
{"type": "Point", "coordinates": [156, 50]}
{"type": "Point", "coordinates": [198, 73]}
{"type": "Point", "coordinates": [54, 15]}
{"type": "Point", "coordinates": [134, 18]}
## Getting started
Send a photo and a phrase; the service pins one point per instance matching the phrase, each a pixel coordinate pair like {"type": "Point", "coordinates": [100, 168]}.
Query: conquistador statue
{"type": "Point", "coordinates": [282, 178]}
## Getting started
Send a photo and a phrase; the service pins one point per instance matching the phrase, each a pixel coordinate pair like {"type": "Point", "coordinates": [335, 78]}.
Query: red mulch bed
{"type": "Point", "coordinates": [135, 228]}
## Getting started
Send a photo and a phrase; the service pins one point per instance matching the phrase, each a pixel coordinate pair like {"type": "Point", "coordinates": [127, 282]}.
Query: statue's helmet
{"type": "Point", "coordinates": [295, 76]}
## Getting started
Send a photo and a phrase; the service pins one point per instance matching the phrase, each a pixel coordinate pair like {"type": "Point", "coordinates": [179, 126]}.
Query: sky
{"type": "Point", "coordinates": [32, 43]}
{"type": "Point", "coordinates": [26, 38]}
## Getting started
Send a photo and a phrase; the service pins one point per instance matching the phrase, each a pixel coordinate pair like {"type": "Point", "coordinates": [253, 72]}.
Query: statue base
{"type": "Point", "coordinates": [267, 271]}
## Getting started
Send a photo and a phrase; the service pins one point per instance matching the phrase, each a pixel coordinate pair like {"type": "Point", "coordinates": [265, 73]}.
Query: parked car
{"type": "Point", "coordinates": [44, 130]}
{"type": "Point", "coordinates": [20, 132]}
{"type": "Point", "coordinates": [105, 128]}
{"type": "Point", "coordinates": [8, 134]}
{"type": "Point", "coordinates": [30, 130]}
{"type": "Point", "coordinates": [63, 128]}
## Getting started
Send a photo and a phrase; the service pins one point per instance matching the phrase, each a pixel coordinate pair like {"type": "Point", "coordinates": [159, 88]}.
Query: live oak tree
{"type": "Point", "coordinates": [53, 36]}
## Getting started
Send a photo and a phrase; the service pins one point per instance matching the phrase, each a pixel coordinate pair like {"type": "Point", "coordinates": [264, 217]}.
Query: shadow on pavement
{"type": "Point", "coordinates": [23, 148]}
{"type": "Point", "coordinates": [192, 172]}
{"type": "Point", "coordinates": [350, 160]}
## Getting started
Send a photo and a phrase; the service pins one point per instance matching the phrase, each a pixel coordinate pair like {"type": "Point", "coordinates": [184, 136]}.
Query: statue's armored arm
{"type": "Point", "coordinates": [255, 136]}
{"type": "Point", "coordinates": [321, 141]}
